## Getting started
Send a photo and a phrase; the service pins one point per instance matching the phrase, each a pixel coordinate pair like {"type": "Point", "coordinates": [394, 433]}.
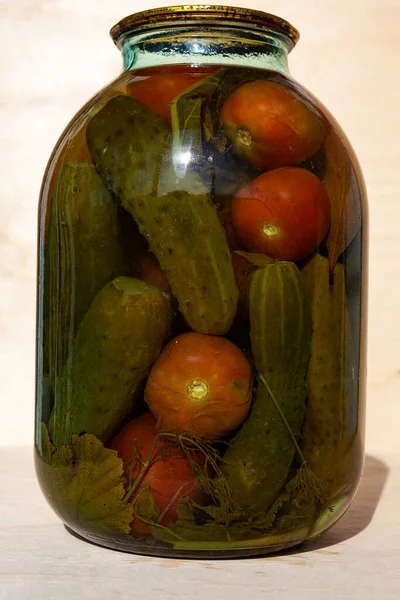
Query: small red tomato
{"type": "Point", "coordinates": [170, 479]}
{"type": "Point", "coordinates": [201, 384]}
{"type": "Point", "coordinates": [158, 87]}
{"type": "Point", "coordinates": [271, 126]}
{"type": "Point", "coordinates": [151, 273]}
{"type": "Point", "coordinates": [284, 214]}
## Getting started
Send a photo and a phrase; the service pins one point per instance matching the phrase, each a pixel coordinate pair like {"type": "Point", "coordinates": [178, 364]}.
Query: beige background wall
{"type": "Point", "coordinates": [55, 54]}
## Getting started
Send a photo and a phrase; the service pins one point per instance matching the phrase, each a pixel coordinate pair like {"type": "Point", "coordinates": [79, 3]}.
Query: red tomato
{"type": "Point", "coordinates": [200, 384]}
{"type": "Point", "coordinates": [152, 273]}
{"type": "Point", "coordinates": [284, 214]}
{"type": "Point", "coordinates": [169, 479]}
{"type": "Point", "coordinates": [270, 126]}
{"type": "Point", "coordinates": [159, 86]}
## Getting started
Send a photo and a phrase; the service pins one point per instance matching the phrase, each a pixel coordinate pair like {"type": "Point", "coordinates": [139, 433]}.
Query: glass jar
{"type": "Point", "coordinates": [202, 238]}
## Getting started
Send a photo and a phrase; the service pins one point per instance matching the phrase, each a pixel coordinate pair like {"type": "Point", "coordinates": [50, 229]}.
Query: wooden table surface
{"type": "Point", "coordinates": [40, 560]}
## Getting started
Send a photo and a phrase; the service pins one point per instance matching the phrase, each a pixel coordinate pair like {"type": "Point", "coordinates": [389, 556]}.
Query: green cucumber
{"type": "Point", "coordinates": [83, 252]}
{"type": "Point", "coordinates": [131, 148]}
{"type": "Point", "coordinates": [331, 419]}
{"type": "Point", "coordinates": [117, 342]}
{"type": "Point", "coordinates": [259, 458]}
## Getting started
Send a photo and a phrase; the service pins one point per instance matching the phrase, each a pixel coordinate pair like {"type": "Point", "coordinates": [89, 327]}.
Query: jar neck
{"type": "Point", "coordinates": [202, 46]}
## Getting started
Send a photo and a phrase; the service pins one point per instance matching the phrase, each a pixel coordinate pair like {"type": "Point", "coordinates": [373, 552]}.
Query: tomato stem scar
{"type": "Point", "coordinates": [198, 389]}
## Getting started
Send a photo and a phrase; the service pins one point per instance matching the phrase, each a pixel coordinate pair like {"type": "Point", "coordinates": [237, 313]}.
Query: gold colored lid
{"type": "Point", "coordinates": [200, 15]}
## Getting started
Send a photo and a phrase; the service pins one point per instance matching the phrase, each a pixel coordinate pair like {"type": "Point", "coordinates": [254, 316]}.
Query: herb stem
{"type": "Point", "coordinates": [145, 466]}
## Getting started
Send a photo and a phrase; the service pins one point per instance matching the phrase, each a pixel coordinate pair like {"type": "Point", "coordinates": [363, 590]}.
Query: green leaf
{"type": "Point", "coordinates": [189, 530]}
{"type": "Point", "coordinates": [84, 483]}
{"type": "Point", "coordinates": [340, 181]}
{"type": "Point", "coordinates": [259, 260]}
{"type": "Point", "coordinates": [145, 507]}
{"type": "Point", "coordinates": [184, 509]}
{"type": "Point", "coordinates": [186, 116]}
{"type": "Point", "coordinates": [199, 142]}
{"type": "Point", "coordinates": [265, 520]}
{"type": "Point", "coordinates": [214, 529]}
{"type": "Point", "coordinates": [204, 99]}
{"type": "Point", "coordinates": [187, 535]}
{"type": "Point", "coordinates": [187, 137]}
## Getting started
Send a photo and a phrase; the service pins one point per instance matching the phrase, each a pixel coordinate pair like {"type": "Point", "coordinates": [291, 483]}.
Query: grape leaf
{"type": "Point", "coordinates": [199, 143]}
{"type": "Point", "coordinates": [264, 520]}
{"type": "Point", "coordinates": [187, 528]}
{"type": "Point", "coordinates": [341, 183]}
{"type": "Point", "coordinates": [187, 112]}
{"type": "Point", "coordinates": [84, 483]}
{"type": "Point", "coordinates": [259, 260]}
{"type": "Point", "coordinates": [145, 506]}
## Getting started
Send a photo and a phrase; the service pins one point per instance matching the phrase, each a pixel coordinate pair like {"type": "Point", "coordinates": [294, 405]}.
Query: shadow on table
{"type": "Point", "coordinates": [361, 511]}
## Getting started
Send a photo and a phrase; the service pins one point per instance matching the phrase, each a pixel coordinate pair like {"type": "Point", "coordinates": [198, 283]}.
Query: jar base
{"type": "Point", "coordinates": [159, 549]}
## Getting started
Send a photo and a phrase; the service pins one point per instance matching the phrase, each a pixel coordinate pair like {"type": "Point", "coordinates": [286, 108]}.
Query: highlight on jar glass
{"type": "Point", "coordinates": [202, 260]}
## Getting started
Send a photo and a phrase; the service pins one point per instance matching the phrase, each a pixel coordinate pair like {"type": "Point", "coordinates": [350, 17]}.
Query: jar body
{"type": "Point", "coordinates": [200, 343]}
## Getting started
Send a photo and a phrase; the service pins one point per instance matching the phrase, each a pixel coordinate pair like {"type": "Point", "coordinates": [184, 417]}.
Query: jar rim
{"type": "Point", "coordinates": [200, 15]}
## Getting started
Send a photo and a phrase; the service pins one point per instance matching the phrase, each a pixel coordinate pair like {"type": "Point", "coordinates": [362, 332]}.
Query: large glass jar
{"type": "Point", "coordinates": [200, 363]}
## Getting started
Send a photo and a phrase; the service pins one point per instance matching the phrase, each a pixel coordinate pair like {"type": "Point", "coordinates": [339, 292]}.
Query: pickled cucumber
{"type": "Point", "coordinates": [258, 459]}
{"type": "Point", "coordinates": [84, 251]}
{"type": "Point", "coordinates": [118, 340]}
{"type": "Point", "coordinates": [331, 418]}
{"type": "Point", "coordinates": [131, 148]}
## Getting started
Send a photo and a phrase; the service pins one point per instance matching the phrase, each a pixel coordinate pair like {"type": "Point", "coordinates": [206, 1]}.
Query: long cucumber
{"type": "Point", "coordinates": [83, 252]}
{"type": "Point", "coordinates": [258, 459]}
{"type": "Point", "coordinates": [131, 148]}
{"type": "Point", "coordinates": [331, 419]}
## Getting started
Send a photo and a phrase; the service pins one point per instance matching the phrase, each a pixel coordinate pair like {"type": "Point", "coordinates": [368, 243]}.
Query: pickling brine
{"type": "Point", "coordinates": [200, 366]}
